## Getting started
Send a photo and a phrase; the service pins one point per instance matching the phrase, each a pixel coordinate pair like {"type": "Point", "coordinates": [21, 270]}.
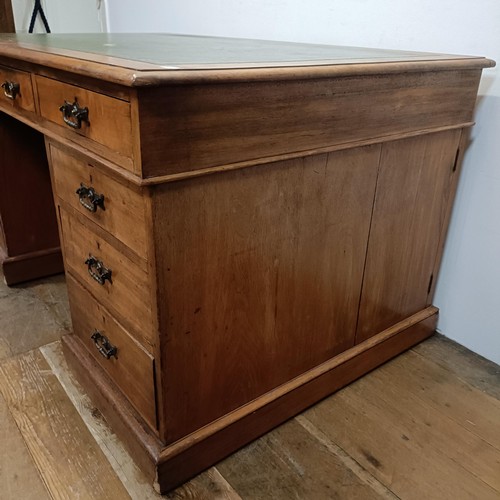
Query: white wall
{"type": "Point", "coordinates": [468, 291]}
{"type": "Point", "coordinates": [63, 16]}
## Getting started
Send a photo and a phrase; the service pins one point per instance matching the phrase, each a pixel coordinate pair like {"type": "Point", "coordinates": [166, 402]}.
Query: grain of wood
{"type": "Point", "coordinates": [24, 99]}
{"type": "Point", "coordinates": [210, 125]}
{"type": "Point", "coordinates": [67, 456]}
{"type": "Point", "coordinates": [475, 411]}
{"type": "Point", "coordinates": [28, 318]}
{"type": "Point", "coordinates": [263, 259]}
{"type": "Point", "coordinates": [432, 428]}
{"type": "Point", "coordinates": [123, 212]}
{"type": "Point", "coordinates": [136, 484]}
{"type": "Point", "coordinates": [465, 365]}
{"type": "Point", "coordinates": [289, 463]}
{"type": "Point", "coordinates": [30, 226]}
{"type": "Point", "coordinates": [6, 17]}
{"type": "Point", "coordinates": [413, 188]}
{"type": "Point", "coordinates": [346, 459]}
{"type": "Point", "coordinates": [19, 478]}
{"type": "Point", "coordinates": [412, 448]}
{"type": "Point", "coordinates": [109, 118]}
{"type": "Point", "coordinates": [132, 368]}
{"type": "Point", "coordinates": [208, 485]}
{"type": "Point", "coordinates": [127, 295]}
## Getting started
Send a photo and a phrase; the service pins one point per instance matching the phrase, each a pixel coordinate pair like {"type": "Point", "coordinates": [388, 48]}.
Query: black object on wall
{"type": "Point", "coordinates": [38, 9]}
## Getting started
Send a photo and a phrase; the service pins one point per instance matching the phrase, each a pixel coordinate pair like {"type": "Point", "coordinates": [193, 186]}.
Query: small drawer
{"type": "Point", "coordinates": [103, 119]}
{"type": "Point", "coordinates": [123, 359]}
{"type": "Point", "coordinates": [117, 282]}
{"type": "Point", "coordinates": [114, 207]}
{"type": "Point", "coordinates": [16, 90]}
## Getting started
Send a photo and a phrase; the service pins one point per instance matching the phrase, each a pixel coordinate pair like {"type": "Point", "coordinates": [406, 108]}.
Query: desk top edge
{"type": "Point", "coordinates": [177, 59]}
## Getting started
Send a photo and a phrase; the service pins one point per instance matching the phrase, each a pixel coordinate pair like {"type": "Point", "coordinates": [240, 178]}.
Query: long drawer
{"type": "Point", "coordinates": [123, 359]}
{"type": "Point", "coordinates": [103, 119]}
{"type": "Point", "coordinates": [116, 281]}
{"type": "Point", "coordinates": [16, 90]}
{"type": "Point", "coordinates": [116, 208]}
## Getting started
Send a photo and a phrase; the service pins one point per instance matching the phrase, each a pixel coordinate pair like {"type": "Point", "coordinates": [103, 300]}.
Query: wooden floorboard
{"type": "Point", "coordinates": [289, 463]}
{"type": "Point", "coordinates": [32, 315]}
{"type": "Point", "coordinates": [475, 411]}
{"type": "Point", "coordinates": [470, 367]}
{"type": "Point", "coordinates": [19, 476]}
{"type": "Point", "coordinates": [208, 485]}
{"type": "Point", "coordinates": [65, 453]}
{"type": "Point", "coordinates": [413, 448]}
{"type": "Point", "coordinates": [424, 426]}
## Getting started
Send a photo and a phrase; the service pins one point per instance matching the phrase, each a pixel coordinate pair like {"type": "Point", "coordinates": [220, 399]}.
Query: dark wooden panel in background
{"type": "Point", "coordinates": [30, 236]}
{"type": "Point", "coordinates": [6, 17]}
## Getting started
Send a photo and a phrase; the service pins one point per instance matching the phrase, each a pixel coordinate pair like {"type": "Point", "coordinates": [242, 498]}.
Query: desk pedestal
{"type": "Point", "coordinates": [29, 241]}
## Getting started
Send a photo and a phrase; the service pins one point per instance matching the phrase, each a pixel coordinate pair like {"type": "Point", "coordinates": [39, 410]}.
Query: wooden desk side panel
{"type": "Point", "coordinates": [259, 275]}
{"type": "Point", "coordinates": [191, 127]}
{"type": "Point", "coordinates": [415, 185]}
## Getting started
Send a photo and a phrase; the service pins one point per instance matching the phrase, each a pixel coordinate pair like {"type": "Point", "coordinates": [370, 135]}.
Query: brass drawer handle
{"type": "Point", "coordinates": [73, 115]}
{"type": "Point", "coordinates": [11, 89]}
{"type": "Point", "coordinates": [103, 345]}
{"type": "Point", "coordinates": [97, 270]}
{"type": "Point", "coordinates": [89, 198]}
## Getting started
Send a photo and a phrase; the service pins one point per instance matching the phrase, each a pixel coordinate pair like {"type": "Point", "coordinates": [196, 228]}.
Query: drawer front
{"type": "Point", "coordinates": [16, 91]}
{"type": "Point", "coordinates": [126, 291]}
{"type": "Point", "coordinates": [114, 207]}
{"type": "Point", "coordinates": [123, 359]}
{"type": "Point", "coordinates": [108, 121]}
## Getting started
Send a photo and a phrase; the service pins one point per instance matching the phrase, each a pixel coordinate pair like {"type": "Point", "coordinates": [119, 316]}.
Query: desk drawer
{"type": "Point", "coordinates": [107, 121]}
{"type": "Point", "coordinates": [116, 281]}
{"type": "Point", "coordinates": [123, 359]}
{"type": "Point", "coordinates": [122, 211]}
{"type": "Point", "coordinates": [16, 91]}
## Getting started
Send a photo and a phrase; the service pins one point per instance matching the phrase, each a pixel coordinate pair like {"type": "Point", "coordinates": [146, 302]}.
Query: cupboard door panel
{"type": "Point", "coordinates": [260, 270]}
{"type": "Point", "coordinates": [414, 187]}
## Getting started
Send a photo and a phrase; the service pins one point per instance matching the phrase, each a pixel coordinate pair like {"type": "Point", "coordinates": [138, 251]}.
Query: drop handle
{"type": "Point", "coordinates": [89, 198]}
{"type": "Point", "coordinates": [11, 89]}
{"type": "Point", "coordinates": [73, 115]}
{"type": "Point", "coordinates": [103, 345]}
{"type": "Point", "coordinates": [98, 270]}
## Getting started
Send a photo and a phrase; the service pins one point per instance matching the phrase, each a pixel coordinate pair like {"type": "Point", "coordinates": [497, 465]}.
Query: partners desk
{"type": "Point", "coordinates": [246, 226]}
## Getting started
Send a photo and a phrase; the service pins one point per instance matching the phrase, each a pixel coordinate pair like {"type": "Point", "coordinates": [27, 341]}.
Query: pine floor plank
{"type": "Point", "coordinates": [19, 478]}
{"type": "Point", "coordinates": [411, 447]}
{"type": "Point", "coordinates": [425, 425]}
{"type": "Point", "coordinates": [32, 315]}
{"type": "Point", "coordinates": [210, 485]}
{"type": "Point", "coordinates": [289, 463]}
{"type": "Point", "coordinates": [473, 409]}
{"type": "Point", "coordinates": [464, 364]}
{"type": "Point", "coordinates": [65, 453]}
{"type": "Point", "coordinates": [134, 481]}
{"type": "Point", "coordinates": [431, 428]}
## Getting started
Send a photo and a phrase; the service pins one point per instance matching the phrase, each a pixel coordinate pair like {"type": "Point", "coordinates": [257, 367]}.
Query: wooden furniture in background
{"type": "Point", "coordinates": [29, 240]}
{"type": "Point", "coordinates": [6, 17]}
{"type": "Point", "coordinates": [29, 243]}
{"type": "Point", "coordinates": [247, 226]}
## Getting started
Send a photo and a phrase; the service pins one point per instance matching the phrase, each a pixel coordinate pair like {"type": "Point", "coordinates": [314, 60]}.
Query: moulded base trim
{"type": "Point", "coordinates": [169, 466]}
{"type": "Point", "coordinates": [30, 266]}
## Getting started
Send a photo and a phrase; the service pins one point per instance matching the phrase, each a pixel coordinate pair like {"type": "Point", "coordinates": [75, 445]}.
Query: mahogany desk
{"type": "Point", "coordinates": [246, 226]}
